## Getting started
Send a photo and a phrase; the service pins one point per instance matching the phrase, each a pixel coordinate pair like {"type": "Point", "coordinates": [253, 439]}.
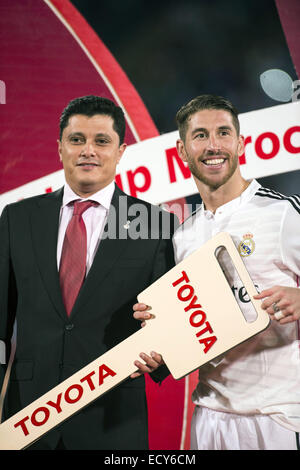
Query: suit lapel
{"type": "Point", "coordinates": [114, 243]}
{"type": "Point", "coordinates": [44, 223]}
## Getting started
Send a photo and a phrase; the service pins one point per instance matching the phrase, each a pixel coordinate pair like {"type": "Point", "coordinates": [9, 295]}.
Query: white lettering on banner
{"type": "Point", "coordinates": [153, 171]}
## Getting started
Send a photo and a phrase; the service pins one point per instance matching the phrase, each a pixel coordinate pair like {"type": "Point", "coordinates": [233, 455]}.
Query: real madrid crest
{"type": "Point", "coordinates": [247, 246]}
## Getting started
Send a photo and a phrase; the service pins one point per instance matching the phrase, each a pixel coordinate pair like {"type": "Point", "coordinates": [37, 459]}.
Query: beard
{"type": "Point", "coordinates": [212, 184]}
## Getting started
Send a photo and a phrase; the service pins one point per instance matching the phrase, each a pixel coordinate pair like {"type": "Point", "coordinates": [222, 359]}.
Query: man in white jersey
{"type": "Point", "coordinates": [250, 397]}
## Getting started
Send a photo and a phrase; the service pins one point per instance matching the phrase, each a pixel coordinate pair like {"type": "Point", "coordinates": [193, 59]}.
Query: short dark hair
{"type": "Point", "coordinates": [199, 104]}
{"type": "Point", "coordinates": [90, 106]}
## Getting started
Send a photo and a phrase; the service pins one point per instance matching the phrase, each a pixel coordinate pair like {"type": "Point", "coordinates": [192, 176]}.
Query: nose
{"type": "Point", "coordinates": [88, 150]}
{"type": "Point", "coordinates": [213, 144]}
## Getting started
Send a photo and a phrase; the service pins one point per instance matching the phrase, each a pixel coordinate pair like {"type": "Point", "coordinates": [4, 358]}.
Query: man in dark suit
{"type": "Point", "coordinates": [128, 247]}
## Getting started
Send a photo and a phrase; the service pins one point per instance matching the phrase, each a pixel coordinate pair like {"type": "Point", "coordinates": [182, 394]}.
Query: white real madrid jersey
{"type": "Point", "coordinates": [262, 375]}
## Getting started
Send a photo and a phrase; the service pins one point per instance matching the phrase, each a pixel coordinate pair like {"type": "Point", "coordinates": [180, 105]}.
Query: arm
{"type": "Point", "coordinates": [283, 302]}
{"type": "Point", "coordinates": [8, 294]}
{"type": "Point", "coordinates": [151, 364]}
{"type": "Point", "coordinates": [163, 262]}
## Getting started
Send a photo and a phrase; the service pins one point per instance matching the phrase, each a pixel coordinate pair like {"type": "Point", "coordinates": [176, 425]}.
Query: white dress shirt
{"type": "Point", "coordinates": [94, 218]}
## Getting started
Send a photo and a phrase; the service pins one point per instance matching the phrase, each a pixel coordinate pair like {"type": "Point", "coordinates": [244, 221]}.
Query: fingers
{"type": "Point", "coordinates": [274, 306]}
{"type": "Point", "coordinates": [272, 300]}
{"type": "Point", "coordinates": [150, 364]}
{"type": "Point", "coordinates": [140, 307]}
{"type": "Point", "coordinates": [264, 293]}
{"type": "Point", "coordinates": [286, 319]}
{"type": "Point", "coordinates": [281, 303]}
{"type": "Point", "coordinates": [141, 312]}
{"type": "Point", "coordinates": [270, 296]}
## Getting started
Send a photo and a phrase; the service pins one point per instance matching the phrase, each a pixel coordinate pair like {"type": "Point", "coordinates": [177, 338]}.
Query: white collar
{"type": "Point", "coordinates": [232, 205]}
{"type": "Point", "coordinates": [103, 197]}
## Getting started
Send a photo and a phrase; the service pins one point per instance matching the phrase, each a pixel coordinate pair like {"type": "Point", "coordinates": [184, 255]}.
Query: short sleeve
{"type": "Point", "coordinates": [290, 237]}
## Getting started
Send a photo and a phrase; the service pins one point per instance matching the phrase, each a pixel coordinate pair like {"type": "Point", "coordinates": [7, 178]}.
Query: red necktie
{"type": "Point", "coordinates": [73, 257]}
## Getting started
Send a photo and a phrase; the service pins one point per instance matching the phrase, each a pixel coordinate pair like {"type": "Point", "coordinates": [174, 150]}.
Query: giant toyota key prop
{"type": "Point", "coordinates": [195, 313]}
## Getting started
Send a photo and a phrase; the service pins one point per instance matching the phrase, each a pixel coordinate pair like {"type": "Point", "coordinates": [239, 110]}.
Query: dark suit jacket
{"type": "Point", "coordinates": [50, 345]}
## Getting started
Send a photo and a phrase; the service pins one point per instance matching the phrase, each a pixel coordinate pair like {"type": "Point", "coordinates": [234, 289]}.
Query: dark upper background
{"type": "Point", "coordinates": [174, 50]}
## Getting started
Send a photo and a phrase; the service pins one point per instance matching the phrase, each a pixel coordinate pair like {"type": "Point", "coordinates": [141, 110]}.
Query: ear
{"type": "Point", "coordinates": [59, 149]}
{"type": "Point", "coordinates": [181, 150]}
{"type": "Point", "coordinates": [121, 151]}
{"type": "Point", "coordinates": [241, 146]}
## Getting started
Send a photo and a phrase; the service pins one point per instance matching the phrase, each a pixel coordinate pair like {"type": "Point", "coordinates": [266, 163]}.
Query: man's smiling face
{"type": "Point", "coordinates": [211, 147]}
{"type": "Point", "coordinates": [90, 151]}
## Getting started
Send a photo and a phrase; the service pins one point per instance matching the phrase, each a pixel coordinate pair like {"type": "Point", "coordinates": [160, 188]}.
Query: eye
{"type": "Point", "coordinates": [101, 141]}
{"type": "Point", "coordinates": [200, 135]}
{"type": "Point", "coordinates": [75, 139]}
{"type": "Point", "coordinates": [224, 132]}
